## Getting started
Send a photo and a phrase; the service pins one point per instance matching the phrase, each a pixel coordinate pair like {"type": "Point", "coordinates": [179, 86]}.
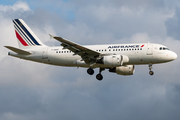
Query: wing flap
{"type": "Point", "coordinates": [17, 50]}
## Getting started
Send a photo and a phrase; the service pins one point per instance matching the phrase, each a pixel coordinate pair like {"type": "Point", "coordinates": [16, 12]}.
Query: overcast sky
{"type": "Point", "coordinates": [34, 91]}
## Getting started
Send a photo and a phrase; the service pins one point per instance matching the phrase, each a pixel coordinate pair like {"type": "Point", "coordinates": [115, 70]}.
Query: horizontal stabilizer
{"type": "Point", "coordinates": [17, 50]}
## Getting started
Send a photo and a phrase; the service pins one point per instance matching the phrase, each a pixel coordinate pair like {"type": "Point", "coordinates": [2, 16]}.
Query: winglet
{"type": "Point", "coordinates": [51, 36]}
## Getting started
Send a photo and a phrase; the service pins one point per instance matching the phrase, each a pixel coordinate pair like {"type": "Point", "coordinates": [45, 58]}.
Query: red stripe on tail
{"type": "Point", "coordinates": [21, 39]}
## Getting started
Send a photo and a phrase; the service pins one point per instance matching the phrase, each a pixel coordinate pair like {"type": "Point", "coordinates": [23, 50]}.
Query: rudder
{"type": "Point", "coordinates": [25, 36]}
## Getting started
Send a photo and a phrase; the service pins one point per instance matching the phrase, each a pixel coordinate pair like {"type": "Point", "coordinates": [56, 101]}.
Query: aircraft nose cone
{"type": "Point", "coordinates": [174, 55]}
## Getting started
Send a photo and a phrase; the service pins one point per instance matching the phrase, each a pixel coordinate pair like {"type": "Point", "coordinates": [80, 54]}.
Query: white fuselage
{"type": "Point", "coordinates": [118, 58]}
{"type": "Point", "coordinates": [138, 54]}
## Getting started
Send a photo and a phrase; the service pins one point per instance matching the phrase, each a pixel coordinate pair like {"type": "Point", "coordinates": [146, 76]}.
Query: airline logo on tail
{"type": "Point", "coordinates": [24, 34]}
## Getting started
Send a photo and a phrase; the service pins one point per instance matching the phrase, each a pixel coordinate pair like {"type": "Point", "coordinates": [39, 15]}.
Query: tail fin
{"type": "Point", "coordinates": [25, 36]}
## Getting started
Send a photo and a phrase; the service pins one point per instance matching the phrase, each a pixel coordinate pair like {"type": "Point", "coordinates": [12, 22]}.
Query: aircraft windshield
{"type": "Point", "coordinates": [163, 48]}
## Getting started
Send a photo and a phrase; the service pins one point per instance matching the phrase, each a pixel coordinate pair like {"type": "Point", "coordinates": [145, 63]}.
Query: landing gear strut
{"type": "Point", "coordinates": [150, 68]}
{"type": "Point", "coordinates": [99, 76]}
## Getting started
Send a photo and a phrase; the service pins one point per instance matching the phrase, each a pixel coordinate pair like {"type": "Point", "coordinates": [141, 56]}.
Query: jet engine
{"type": "Point", "coordinates": [123, 70]}
{"type": "Point", "coordinates": [113, 60]}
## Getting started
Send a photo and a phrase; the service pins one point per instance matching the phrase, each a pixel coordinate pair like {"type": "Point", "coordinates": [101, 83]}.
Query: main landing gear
{"type": "Point", "coordinates": [90, 71]}
{"type": "Point", "coordinates": [150, 68]}
{"type": "Point", "coordinates": [99, 76]}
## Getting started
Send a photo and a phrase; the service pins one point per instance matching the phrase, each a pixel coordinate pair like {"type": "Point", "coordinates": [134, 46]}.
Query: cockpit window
{"type": "Point", "coordinates": [163, 48]}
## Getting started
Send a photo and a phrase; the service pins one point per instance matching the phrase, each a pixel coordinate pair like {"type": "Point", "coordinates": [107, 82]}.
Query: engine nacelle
{"type": "Point", "coordinates": [113, 60]}
{"type": "Point", "coordinates": [123, 70]}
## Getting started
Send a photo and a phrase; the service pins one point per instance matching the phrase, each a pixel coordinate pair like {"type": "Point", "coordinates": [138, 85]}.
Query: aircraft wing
{"type": "Point", "coordinates": [86, 54]}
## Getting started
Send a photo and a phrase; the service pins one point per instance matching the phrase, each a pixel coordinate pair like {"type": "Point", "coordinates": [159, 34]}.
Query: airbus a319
{"type": "Point", "coordinates": [117, 58]}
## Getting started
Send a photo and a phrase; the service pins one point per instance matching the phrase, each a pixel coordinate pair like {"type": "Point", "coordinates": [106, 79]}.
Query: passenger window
{"type": "Point", "coordinates": [62, 51]}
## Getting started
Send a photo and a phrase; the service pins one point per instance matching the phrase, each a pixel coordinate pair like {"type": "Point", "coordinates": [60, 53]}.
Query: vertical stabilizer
{"type": "Point", "coordinates": [25, 36]}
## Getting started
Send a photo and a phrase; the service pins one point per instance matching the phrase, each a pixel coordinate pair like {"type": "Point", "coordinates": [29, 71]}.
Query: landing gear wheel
{"type": "Point", "coordinates": [150, 68]}
{"type": "Point", "coordinates": [99, 77]}
{"type": "Point", "coordinates": [151, 72]}
{"type": "Point", "coordinates": [90, 71]}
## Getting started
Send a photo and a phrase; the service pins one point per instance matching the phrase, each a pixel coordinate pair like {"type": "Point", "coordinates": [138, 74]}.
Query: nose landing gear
{"type": "Point", "coordinates": [151, 72]}
{"type": "Point", "coordinates": [150, 68]}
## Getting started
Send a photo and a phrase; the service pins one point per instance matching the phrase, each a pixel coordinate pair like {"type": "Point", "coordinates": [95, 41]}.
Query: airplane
{"type": "Point", "coordinates": [117, 58]}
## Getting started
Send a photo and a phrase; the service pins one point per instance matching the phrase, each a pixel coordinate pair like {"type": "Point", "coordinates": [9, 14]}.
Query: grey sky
{"type": "Point", "coordinates": [37, 91]}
